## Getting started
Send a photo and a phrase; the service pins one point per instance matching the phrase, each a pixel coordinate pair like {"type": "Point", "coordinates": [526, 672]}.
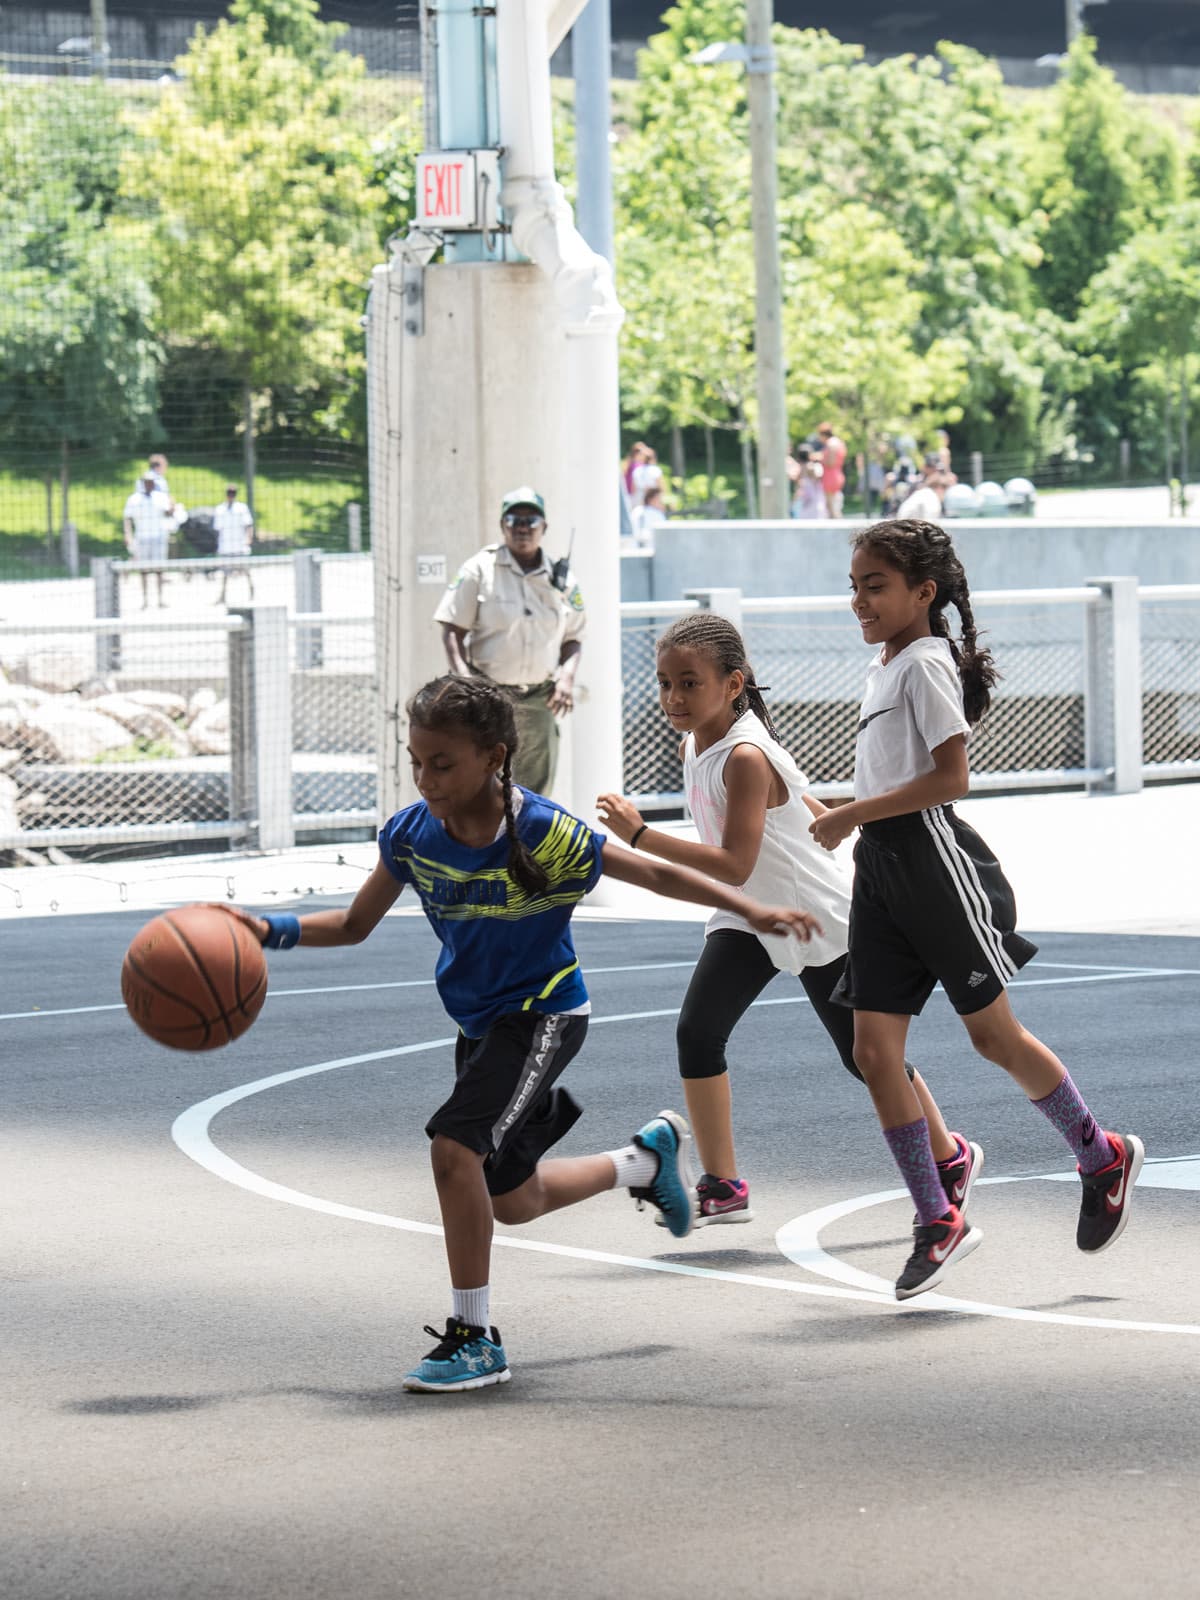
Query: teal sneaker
{"type": "Point", "coordinates": [673, 1188]}
{"type": "Point", "coordinates": [463, 1358]}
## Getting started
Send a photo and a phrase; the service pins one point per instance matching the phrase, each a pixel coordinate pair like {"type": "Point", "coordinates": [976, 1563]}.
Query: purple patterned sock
{"type": "Point", "coordinates": [910, 1146]}
{"type": "Point", "coordinates": [1065, 1108]}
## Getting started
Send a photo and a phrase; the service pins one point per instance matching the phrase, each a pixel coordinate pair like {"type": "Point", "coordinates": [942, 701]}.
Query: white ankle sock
{"type": "Point", "coordinates": [471, 1306]}
{"type": "Point", "coordinates": [635, 1167]}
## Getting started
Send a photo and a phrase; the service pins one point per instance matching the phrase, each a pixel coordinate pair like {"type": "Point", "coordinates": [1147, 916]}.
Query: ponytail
{"type": "Point", "coordinates": [521, 864]}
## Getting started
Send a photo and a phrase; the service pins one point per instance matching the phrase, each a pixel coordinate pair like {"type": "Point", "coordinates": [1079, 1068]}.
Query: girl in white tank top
{"type": "Point", "coordinates": [747, 797]}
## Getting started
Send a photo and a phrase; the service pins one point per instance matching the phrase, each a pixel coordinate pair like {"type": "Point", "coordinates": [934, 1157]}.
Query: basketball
{"type": "Point", "coordinates": [194, 978]}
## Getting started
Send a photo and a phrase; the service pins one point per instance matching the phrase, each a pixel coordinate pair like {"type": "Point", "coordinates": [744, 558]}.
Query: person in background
{"type": "Point", "coordinates": [924, 504]}
{"type": "Point", "coordinates": [647, 475]}
{"type": "Point", "coordinates": [808, 495]}
{"type": "Point", "coordinates": [234, 528]}
{"type": "Point", "coordinates": [149, 523]}
{"type": "Point", "coordinates": [514, 617]}
{"type": "Point", "coordinates": [647, 517]}
{"type": "Point", "coordinates": [833, 469]}
{"type": "Point", "coordinates": [637, 454]}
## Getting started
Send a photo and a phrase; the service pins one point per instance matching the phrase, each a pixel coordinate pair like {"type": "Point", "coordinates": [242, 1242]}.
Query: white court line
{"type": "Point", "coordinates": [1106, 974]}
{"type": "Point", "coordinates": [332, 988]}
{"type": "Point", "coordinates": [799, 1240]}
{"type": "Point", "coordinates": [190, 1131]}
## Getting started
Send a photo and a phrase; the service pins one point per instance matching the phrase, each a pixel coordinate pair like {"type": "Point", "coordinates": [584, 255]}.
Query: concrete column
{"type": "Point", "coordinates": [1113, 686]}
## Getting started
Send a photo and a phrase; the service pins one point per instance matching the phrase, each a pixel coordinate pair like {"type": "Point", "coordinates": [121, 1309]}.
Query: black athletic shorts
{"type": "Point", "coordinates": [504, 1104]}
{"type": "Point", "coordinates": [930, 905]}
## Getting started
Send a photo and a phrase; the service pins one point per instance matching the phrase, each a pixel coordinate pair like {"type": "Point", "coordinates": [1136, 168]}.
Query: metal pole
{"type": "Point", "coordinates": [1074, 21]}
{"type": "Point", "coordinates": [99, 39]}
{"type": "Point", "coordinates": [591, 63]}
{"type": "Point", "coordinates": [768, 296]}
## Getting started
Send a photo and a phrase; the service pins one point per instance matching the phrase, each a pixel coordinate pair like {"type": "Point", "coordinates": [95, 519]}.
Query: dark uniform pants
{"type": "Point", "coordinates": [537, 736]}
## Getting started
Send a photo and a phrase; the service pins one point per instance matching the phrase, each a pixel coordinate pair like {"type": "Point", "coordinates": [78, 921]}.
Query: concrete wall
{"type": "Point", "coordinates": [795, 558]}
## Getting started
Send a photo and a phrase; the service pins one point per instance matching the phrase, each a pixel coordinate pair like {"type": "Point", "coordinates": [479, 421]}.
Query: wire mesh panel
{"type": "Point", "coordinates": [334, 704]}
{"type": "Point", "coordinates": [191, 215]}
{"type": "Point", "coordinates": [1036, 723]}
{"type": "Point", "coordinates": [114, 736]}
{"type": "Point", "coordinates": [1170, 631]}
{"type": "Point", "coordinates": [650, 746]}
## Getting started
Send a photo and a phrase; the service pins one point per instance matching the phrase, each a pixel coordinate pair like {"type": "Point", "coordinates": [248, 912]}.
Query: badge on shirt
{"type": "Point", "coordinates": [575, 599]}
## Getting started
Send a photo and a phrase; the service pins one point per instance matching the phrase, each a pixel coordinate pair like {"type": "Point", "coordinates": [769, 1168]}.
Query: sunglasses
{"type": "Point", "coordinates": [512, 520]}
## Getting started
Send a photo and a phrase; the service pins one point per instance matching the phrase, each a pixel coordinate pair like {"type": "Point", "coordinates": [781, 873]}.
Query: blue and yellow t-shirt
{"type": "Point", "coordinates": [503, 949]}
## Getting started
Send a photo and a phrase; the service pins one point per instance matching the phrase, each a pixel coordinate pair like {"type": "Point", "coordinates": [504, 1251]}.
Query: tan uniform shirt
{"type": "Point", "coordinates": [516, 621]}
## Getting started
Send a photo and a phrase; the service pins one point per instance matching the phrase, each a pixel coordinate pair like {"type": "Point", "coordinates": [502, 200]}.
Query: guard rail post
{"type": "Point", "coordinates": [106, 587]}
{"type": "Point", "coordinates": [1113, 686]}
{"type": "Point", "coordinates": [725, 602]}
{"type": "Point", "coordinates": [260, 727]}
{"type": "Point", "coordinates": [307, 568]}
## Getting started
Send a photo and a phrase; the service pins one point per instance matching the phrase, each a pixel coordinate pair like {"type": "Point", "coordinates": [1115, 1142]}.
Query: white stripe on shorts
{"type": "Point", "coordinates": [971, 892]}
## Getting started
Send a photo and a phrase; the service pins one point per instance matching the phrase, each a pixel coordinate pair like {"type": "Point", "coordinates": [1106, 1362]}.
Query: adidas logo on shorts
{"type": "Point", "coordinates": [976, 979]}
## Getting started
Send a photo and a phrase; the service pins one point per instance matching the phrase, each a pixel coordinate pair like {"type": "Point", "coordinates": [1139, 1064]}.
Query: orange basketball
{"type": "Point", "coordinates": [194, 978]}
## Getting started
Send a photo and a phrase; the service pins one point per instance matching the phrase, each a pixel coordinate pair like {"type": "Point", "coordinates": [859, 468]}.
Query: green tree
{"type": "Point", "coordinates": [266, 222]}
{"type": "Point", "coordinates": [78, 357]}
{"type": "Point", "coordinates": [1143, 311]}
{"type": "Point", "coordinates": [1101, 168]}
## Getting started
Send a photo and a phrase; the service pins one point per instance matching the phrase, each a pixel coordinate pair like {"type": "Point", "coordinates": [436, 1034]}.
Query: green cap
{"type": "Point", "coordinates": [524, 496]}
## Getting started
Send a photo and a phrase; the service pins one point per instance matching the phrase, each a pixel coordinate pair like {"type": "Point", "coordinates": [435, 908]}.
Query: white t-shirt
{"type": "Point", "coordinates": [911, 705]}
{"type": "Point", "coordinates": [922, 505]}
{"type": "Point", "coordinates": [647, 475]}
{"type": "Point", "coordinates": [792, 869]}
{"type": "Point", "coordinates": [645, 519]}
{"type": "Point", "coordinates": [232, 524]}
{"type": "Point", "coordinates": [152, 522]}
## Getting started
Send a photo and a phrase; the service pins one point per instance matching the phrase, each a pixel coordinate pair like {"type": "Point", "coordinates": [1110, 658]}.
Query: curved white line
{"type": "Point", "coordinates": [799, 1241]}
{"type": "Point", "coordinates": [190, 1133]}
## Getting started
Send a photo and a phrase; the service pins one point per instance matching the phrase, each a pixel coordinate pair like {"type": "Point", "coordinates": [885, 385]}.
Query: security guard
{"type": "Point", "coordinates": [514, 617]}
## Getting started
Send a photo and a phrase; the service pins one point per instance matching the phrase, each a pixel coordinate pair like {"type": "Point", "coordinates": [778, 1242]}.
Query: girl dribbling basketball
{"type": "Point", "coordinates": [499, 870]}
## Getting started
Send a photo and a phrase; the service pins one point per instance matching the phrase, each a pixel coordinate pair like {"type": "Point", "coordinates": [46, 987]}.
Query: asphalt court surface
{"type": "Point", "coordinates": [204, 1339]}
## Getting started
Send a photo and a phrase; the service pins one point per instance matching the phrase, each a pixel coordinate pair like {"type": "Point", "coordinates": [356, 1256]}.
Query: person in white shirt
{"type": "Point", "coordinates": [149, 523]}
{"type": "Point", "coordinates": [234, 528]}
{"type": "Point", "coordinates": [646, 518]}
{"type": "Point", "coordinates": [751, 808]}
{"type": "Point", "coordinates": [924, 504]}
{"type": "Point", "coordinates": [647, 475]}
{"type": "Point", "coordinates": [930, 902]}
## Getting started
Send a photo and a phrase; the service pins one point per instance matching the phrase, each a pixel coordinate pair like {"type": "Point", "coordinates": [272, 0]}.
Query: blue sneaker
{"type": "Point", "coordinates": [673, 1188]}
{"type": "Point", "coordinates": [463, 1358]}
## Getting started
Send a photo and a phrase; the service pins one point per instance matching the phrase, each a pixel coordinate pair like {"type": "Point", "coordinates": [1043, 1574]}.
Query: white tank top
{"type": "Point", "coordinates": [792, 869]}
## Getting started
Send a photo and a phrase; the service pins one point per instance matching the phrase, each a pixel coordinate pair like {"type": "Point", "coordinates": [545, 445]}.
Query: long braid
{"type": "Point", "coordinates": [716, 637]}
{"type": "Point", "coordinates": [920, 551]}
{"type": "Point", "coordinates": [482, 711]}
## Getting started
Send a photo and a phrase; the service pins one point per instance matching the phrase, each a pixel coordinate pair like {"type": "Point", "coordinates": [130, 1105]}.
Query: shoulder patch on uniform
{"type": "Point", "coordinates": [575, 599]}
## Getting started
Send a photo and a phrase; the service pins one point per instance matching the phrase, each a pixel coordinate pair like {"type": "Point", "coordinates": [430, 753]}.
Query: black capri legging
{"type": "Point", "coordinates": [733, 970]}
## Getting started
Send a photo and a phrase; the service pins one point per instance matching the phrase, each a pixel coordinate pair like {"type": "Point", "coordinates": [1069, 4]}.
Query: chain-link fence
{"type": "Point", "coordinates": [1170, 652]}
{"type": "Point", "coordinates": [334, 712]}
{"type": "Point", "coordinates": [191, 205]}
{"type": "Point", "coordinates": [1055, 718]}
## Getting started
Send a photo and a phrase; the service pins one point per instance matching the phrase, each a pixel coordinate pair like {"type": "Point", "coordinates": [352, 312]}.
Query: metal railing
{"type": "Point", "coordinates": [259, 726]}
{"type": "Point", "coordinates": [1100, 686]}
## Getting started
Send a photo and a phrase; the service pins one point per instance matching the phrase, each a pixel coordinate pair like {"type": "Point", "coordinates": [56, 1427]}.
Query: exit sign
{"type": "Point", "coordinates": [457, 188]}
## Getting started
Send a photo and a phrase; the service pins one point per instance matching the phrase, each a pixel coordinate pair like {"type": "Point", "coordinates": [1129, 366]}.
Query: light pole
{"type": "Point", "coordinates": [1075, 17]}
{"type": "Point", "coordinates": [770, 369]}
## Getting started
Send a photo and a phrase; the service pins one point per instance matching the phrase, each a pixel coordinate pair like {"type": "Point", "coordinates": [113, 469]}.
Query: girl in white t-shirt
{"type": "Point", "coordinates": [747, 798]}
{"type": "Point", "coordinates": [931, 903]}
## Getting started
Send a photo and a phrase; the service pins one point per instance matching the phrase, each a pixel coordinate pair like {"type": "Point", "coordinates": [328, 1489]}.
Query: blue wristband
{"type": "Point", "coordinates": [284, 931]}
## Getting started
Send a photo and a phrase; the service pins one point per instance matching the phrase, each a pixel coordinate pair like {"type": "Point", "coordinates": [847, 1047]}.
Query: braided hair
{"type": "Point", "coordinates": [716, 638]}
{"type": "Point", "coordinates": [921, 551]}
{"type": "Point", "coordinates": [484, 713]}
